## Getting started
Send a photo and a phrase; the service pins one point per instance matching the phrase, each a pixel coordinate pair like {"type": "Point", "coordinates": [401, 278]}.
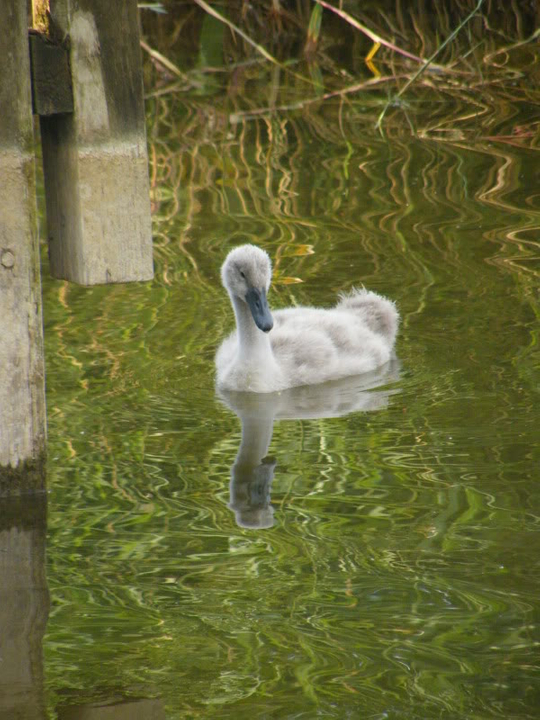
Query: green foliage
{"type": "Point", "coordinates": [314, 29]}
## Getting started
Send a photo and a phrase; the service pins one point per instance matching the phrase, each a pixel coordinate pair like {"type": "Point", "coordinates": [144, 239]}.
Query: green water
{"type": "Point", "coordinates": [398, 572]}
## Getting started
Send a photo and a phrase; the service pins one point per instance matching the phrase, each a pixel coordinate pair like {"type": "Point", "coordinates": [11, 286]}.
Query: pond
{"type": "Point", "coordinates": [373, 549]}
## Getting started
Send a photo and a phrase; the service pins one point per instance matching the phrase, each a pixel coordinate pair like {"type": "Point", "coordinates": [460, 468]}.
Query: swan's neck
{"type": "Point", "coordinates": [251, 475]}
{"type": "Point", "coordinates": [253, 344]}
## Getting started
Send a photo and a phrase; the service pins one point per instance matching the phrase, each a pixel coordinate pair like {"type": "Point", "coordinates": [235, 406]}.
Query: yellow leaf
{"type": "Point", "coordinates": [371, 54]}
{"type": "Point", "coordinates": [303, 250]}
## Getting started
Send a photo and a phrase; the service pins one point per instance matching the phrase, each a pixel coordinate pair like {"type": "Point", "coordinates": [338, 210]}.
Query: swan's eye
{"type": "Point", "coordinates": [242, 274]}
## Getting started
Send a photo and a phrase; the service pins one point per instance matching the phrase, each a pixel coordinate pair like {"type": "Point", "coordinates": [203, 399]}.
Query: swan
{"type": "Point", "coordinates": [298, 345]}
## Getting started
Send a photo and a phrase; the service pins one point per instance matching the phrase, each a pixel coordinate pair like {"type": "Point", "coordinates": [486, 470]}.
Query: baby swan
{"type": "Point", "coordinates": [299, 345]}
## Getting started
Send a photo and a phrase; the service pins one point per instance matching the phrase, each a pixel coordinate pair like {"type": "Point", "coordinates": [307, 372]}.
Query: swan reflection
{"type": "Point", "coordinates": [252, 472]}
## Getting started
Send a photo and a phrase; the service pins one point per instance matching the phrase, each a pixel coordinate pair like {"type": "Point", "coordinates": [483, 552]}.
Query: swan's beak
{"type": "Point", "coordinates": [256, 299]}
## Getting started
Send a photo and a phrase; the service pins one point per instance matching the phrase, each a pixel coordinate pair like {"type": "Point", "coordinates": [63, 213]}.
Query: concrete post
{"type": "Point", "coordinates": [95, 159]}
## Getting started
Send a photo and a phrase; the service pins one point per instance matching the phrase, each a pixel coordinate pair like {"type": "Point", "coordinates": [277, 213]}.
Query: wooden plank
{"type": "Point", "coordinates": [95, 160]}
{"type": "Point", "coordinates": [51, 77]}
{"type": "Point", "coordinates": [22, 385]}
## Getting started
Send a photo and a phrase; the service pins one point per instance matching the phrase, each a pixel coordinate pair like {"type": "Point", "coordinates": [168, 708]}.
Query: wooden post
{"type": "Point", "coordinates": [95, 159]}
{"type": "Point", "coordinates": [22, 384]}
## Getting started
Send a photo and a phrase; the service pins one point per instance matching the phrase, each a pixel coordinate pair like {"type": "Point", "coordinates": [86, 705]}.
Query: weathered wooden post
{"type": "Point", "coordinates": [22, 384]}
{"type": "Point", "coordinates": [95, 158]}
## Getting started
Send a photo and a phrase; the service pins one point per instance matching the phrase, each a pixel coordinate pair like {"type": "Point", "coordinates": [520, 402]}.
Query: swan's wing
{"type": "Point", "coordinates": [377, 312]}
{"type": "Point", "coordinates": [312, 345]}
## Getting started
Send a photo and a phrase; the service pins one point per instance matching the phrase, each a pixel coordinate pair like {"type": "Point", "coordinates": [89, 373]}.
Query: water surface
{"type": "Point", "coordinates": [383, 560]}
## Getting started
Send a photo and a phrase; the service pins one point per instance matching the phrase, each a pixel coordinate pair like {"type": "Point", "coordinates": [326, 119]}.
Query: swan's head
{"type": "Point", "coordinates": [246, 274]}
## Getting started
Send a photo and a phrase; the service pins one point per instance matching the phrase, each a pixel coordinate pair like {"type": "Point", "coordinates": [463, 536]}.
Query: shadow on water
{"type": "Point", "coordinates": [252, 472]}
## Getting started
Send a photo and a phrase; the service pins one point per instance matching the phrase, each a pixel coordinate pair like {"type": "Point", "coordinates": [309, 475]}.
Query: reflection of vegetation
{"type": "Point", "coordinates": [482, 59]}
{"type": "Point", "coordinates": [465, 105]}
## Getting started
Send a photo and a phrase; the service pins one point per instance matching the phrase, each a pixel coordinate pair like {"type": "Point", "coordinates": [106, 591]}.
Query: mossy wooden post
{"type": "Point", "coordinates": [95, 159]}
{"type": "Point", "coordinates": [22, 384]}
